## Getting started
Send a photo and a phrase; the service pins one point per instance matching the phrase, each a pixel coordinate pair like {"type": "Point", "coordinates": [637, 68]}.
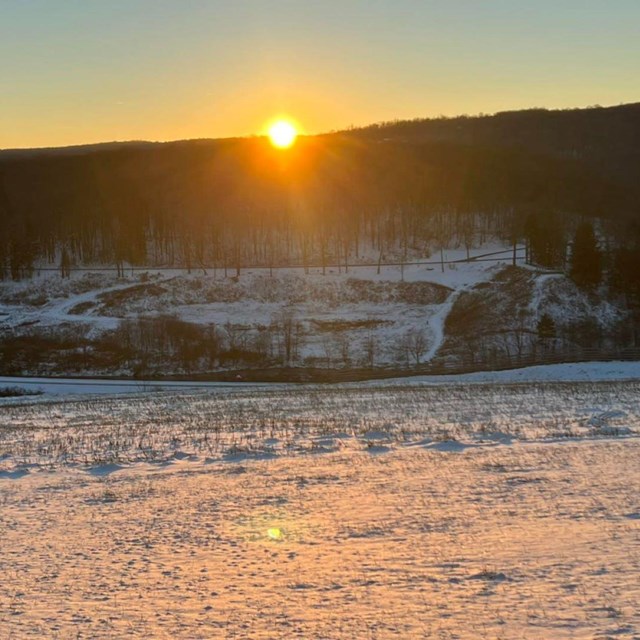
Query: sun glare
{"type": "Point", "coordinates": [274, 533]}
{"type": "Point", "coordinates": [282, 134]}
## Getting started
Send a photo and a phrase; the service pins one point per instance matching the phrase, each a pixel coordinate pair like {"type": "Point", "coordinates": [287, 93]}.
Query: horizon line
{"type": "Point", "coordinates": [345, 129]}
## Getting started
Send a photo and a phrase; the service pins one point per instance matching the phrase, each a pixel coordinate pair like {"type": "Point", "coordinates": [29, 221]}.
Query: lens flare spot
{"type": "Point", "coordinates": [274, 533]}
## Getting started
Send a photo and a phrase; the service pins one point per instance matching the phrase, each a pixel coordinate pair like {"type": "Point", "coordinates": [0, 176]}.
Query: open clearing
{"type": "Point", "coordinates": [406, 511]}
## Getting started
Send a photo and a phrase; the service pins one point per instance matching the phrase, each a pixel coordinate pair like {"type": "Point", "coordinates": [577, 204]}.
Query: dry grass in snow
{"type": "Point", "coordinates": [229, 423]}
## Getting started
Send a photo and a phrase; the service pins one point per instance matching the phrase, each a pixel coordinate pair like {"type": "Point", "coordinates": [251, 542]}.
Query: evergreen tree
{"type": "Point", "coordinates": [546, 327]}
{"type": "Point", "coordinates": [625, 272]}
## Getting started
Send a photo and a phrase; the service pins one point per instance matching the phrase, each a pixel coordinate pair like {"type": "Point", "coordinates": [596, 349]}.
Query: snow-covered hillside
{"type": "Point", "coordinates": [163, 321]}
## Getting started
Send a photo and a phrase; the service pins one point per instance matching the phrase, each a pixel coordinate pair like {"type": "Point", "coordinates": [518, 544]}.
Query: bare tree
{"type": "Point", "coordinates": [416, 344]}
{"type": "Point", "coordinates": [342, 340]}
{"type": "Point", "coordinates": [468, 232]}
{"type": "Point", "coordinates": [370, 350]}
{"type": "Point", "coordinates": [402, 349]}
{"type": "Point", "coordinates": [234, 334]}
{"type": "Point", "coordinates": [521, 334]}
{"type": "Point", "coordinates": [289, 332]}
{"type": "Point", "coordinates": [327, 347]}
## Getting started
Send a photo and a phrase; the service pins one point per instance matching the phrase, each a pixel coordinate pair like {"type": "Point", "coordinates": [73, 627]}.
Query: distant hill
{"type": "Point", "coordinates": [384, 188]}
{"type": "Point", "coordinates": [80, 149]}
{"type": "Point", "coordinates": [598, 135]}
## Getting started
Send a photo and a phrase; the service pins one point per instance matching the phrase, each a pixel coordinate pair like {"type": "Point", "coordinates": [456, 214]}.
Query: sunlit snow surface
{"type": "Point", "coordinates": [406, 510]}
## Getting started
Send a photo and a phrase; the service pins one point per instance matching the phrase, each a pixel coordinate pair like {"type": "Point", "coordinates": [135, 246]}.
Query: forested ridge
{"type": "Point", "coordinates": [390, 189]}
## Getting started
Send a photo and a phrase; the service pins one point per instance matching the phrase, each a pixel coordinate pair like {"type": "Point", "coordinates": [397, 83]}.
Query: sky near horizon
{"type": "Point", "coordinates": [83, 71]}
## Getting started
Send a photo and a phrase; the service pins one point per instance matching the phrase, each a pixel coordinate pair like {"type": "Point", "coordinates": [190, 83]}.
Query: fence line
{"type": "Point", "coordinates": [333, 265]}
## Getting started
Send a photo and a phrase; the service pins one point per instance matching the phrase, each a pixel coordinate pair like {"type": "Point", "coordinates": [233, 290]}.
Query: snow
{"type": "Point", "coordinates": [537, 295]}
{"type": "Point", "coordinates": [557, 296]}
{"type": "Point", "coordinates": [486, 505]}
{"type": "Point", "coordinates": [510, 542]}
{"type": "Point", "coordinates": [396, 509]}
{"type": "Point", "coordinates": [254, 300]}
{"type": "Point", "coordinates": [219, 420]}
{"type": "Point", "coordinates": [568, 372]}
{"type": "Point", "coordinates": [341, 316]}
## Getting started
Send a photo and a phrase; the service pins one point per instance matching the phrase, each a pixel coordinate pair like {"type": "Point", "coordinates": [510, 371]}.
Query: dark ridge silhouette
{"type": "Point", "coordinates": [529, 175]}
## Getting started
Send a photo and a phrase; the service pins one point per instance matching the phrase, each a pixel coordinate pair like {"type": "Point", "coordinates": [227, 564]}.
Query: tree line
{"type": "Point", "coordinates": [390, 190]}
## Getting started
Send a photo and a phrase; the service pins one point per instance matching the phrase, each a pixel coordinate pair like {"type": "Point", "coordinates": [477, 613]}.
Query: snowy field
{"type": "Point", "coordinates": [529, 541]}
{"type": "Point", "coordinates": [212, 424]}
{"type": "Point", "coordinates": [569, 372]}
{"type": "Point", "coordinates": [405, 510]}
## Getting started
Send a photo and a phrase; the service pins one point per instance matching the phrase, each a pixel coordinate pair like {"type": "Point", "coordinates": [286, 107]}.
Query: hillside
{"type": "Point", "coordinates": [384, 247]}
{"type": "Point", "coordinates": [391, 319]}
{"type": "Point", "coordinates": [605, 137]}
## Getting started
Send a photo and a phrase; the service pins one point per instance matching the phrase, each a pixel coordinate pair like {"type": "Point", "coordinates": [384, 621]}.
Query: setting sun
{"type": "Point", "coordinates": [282, 134]}
{"type": "Point", "coordinates": [388, 241]}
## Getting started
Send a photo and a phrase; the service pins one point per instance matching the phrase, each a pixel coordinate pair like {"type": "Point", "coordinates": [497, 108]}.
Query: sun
{"type": "Point", "coordinates": [282, 134]}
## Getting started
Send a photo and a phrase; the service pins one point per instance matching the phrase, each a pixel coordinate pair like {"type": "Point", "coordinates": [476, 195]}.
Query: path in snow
{"type": "Point", "coordinates": [538, 291]}
{"type": "Point", "coordinates": [438, 319]}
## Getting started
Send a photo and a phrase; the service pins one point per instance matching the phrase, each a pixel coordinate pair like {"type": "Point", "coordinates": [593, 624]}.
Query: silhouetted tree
{"type": "Point", "coordinates": [546, 328]}
{"type": "Point", "coordinates": [625, 271]}
{"type": "Point", "coordinates": [65, 264]}
{"type": "Point", "coordinates": [545, 240]}
{"type": "Point", "coordinates": [586, 257]}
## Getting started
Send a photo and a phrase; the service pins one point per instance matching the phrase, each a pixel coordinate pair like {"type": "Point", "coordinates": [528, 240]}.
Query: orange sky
{"type": "Point", "coordinates": [74, 73]}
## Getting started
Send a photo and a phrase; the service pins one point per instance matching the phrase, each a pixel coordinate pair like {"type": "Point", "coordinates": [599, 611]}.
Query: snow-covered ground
{"type": "Point", "coordinates": [569, 372]}
{"type": "Point", "coordinates": [217, 423]}
{"type": "Point", "coordinates": [535, 541]}
{"type": "Point", "coordinates": [488, 505]}
{"type": "Point", "coordinates": [566, 372]}
{"type": "Point", "coordinates": [404, 510]}
{"type": "Point", "coordinates": [368, 305]}
{"type": "Point", "coordinates": [340, 319]}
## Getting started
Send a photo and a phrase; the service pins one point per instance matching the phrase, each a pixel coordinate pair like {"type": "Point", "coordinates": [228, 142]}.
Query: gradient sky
{"type": "Point", "coordinates": [79, 71]}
